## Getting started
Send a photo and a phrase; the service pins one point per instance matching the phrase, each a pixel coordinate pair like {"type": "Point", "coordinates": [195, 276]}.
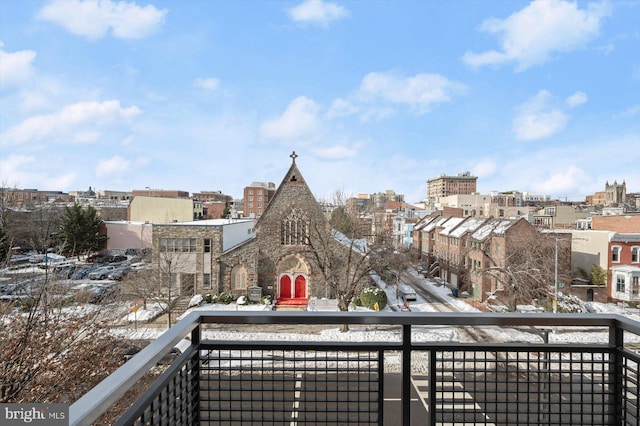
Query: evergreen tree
{"type": "Point", "coordinates": [4, 245]}
{"type": "Point", "coordinates": [79, 230]}
{"type": "Point", "coordinates": [598, 275]}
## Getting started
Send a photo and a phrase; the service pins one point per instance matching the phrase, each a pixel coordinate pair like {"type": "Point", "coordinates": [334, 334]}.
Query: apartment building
{"type": "Point", "coordinates": [443, 185]}
{"type": "Point", "coordinates": [256, 198]}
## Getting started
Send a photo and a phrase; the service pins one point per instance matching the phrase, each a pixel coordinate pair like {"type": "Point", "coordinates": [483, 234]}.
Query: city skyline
{"type": "Point", "coordinates": [541, 96]}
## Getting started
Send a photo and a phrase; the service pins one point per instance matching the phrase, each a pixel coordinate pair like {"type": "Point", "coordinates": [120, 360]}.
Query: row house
{"type": "Point", "coordinates": [472, 254]}
{"type": "Point", "coordinates": [427, 229]}
{"type": "Point", "coordinates": [491, 252]}
{"type": "Point", "coordinates": [457, 267]}
{"type": "Point", "coordinates": [624, 267]}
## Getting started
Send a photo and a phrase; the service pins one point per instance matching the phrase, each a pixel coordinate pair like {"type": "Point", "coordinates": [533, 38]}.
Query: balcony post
{"type": "Point", "coordinates": [406, 374]}
{"type": "Point", "coordinates": [195, 373]}
{"type": "Point", "coordinates": [616, 341]}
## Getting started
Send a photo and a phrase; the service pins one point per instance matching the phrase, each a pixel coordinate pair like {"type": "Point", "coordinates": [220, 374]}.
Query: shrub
{"type": "Point", "coordinates": [226, 298]}
{"type": "Point", "coordinates": [372, 295]}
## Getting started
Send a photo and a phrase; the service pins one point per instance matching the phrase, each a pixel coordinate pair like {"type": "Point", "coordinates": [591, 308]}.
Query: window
{"type": "Point", "coordinates": [635, 285]}
{"type": "Point", "coordinates": [239, 278]}
{"type": "Point", "coordinates": [206, 281]}
{"type": "Point", "coordinates": [176, 245]}
{"type": "Point", "coordinates": [207, 245]}
{"type": "Point", "coordinates": [615, 253]}
{"type": "Point", "coordinates": [294, 229]}
{"type": "Point", "coordinates": [635, 254]}
{"type": "Point", "coordinates": [620, 283]}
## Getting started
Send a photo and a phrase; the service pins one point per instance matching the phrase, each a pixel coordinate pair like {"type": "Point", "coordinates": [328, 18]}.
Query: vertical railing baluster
{"type": "Point", "coordinates": [406, 374]}
{"type": "Point", "coordinates": [616, 341]}
{"type": "Point", "coordinates": [381, 387]}
{"type": "Point", "coordinates": [195, 374]}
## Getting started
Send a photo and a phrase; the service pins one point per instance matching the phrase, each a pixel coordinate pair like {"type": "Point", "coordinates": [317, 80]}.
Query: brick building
{"type": "Point", "coordinates": [443, 185]}
{"type": "Point", "coordinates": [628, 223]}
{"type": "Point", "coordinates": [623, 272]}
{"type": "Point", "coordinates": [256, 198]}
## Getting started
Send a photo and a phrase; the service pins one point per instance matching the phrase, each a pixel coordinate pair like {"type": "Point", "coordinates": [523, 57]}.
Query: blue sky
{"type": "Point", "coordinates": [539, 96]}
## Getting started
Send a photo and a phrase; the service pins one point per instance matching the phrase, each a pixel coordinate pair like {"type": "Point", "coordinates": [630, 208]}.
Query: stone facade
{"type": "Point", "coordinates": [282, 255]}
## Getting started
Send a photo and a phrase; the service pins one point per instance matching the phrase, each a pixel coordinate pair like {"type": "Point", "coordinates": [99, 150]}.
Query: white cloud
{"type": "Point", "coordinates": [299, 119]}
{"type": "Point", "coordinates": [27, 171]}
{"type": "Point", "coordinates": [337, 152]}
{"type": "Point", "coordinates": [562, 182]}
{"type": "Point", "coordinates": [419, 92]}
{"type": "Point", "coordinates": [484, 168]}
{"type": "Point", "coordinates": [536, 119]}
{"type": "Point", "coordinates": [341, 108]}
{"type": "Point", "coordinates": [93, 19]}
{"type": "Point", "coordinates": [114, 166]}
{"type": "Point", "coordinates": [15, 67]}
{"type": "Point", "coordinates": [530, 36]}
{"type": "Point", "coordinates": [207, 83]}
{"type": "Point", "coordinates": [577, 99]}
{"type": "Point", "coordinates": [630, 112]}
{"type": "Point", "coordinates": [317, 12]}
{"type": "Point", "coordinates": [72, 121]}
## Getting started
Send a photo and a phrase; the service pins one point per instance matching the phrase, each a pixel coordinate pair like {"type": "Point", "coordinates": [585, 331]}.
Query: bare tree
{"type": "Point", "coordinates": [51, 351]}
{"type": "Point", "coordinates": [528, 271]}
{"type": "Point", "coordinates": [159, 285]}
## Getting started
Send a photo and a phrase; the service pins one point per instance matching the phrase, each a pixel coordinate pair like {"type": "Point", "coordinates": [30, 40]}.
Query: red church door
{"type": "Point", "coordinates": [285, 287]}
{"type": "Point", "coordinates": [301, 287]}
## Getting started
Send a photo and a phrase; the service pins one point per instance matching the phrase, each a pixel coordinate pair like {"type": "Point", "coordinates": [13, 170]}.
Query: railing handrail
{"type": "Point", "coordinates": [90, 406]}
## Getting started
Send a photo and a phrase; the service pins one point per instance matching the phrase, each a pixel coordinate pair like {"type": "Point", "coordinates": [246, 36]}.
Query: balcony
{"type": "Point", "coordinates": [485, 370]}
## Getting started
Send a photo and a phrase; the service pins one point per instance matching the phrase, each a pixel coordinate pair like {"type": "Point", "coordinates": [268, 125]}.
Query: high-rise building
{"type": "Point", "coordinates": [443, 185]}
{"type": "Point", "coordinates": [256, 197]}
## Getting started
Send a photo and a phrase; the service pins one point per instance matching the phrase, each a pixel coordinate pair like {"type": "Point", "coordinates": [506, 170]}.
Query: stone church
{"type": "Point", "coordinates": [286, 253]}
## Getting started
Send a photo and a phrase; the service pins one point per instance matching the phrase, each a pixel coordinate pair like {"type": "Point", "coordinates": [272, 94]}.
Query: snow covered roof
{"type": "Point", "coordinates": [450, 224]}
{"type": "Point", "coordinates": [206, 222]}
{"type": "Point", "coordinates": [424, 222]}
{"type": "Point", "coordinates": [469, 225]}
{"type": "Point", "coordinates": [492, 226]}
{"type": "Point", "coordinates": [435, 223]}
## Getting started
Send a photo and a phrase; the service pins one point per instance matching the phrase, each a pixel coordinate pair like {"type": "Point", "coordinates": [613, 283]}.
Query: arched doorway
{"type": "Point", "coordinates": [285, 287]}
{"type": "Point", "coordinates": [300, 287]}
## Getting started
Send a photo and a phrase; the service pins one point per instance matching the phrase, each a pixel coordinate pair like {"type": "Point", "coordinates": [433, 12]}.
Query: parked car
{"type": "Point", "coordinates": [116, 258]}
{"type": "Point", "coordinates": [103, 292]}
{"type": "Point", "coordinates": [101, 273]}
{"type": "Point", "coordinates": [95, 258]}
{"type": "Point", "coordinates": [119, 273]}
{"type": "Point", "coordinates": [407, 292]}
{"type": "Point", "coordinates": [81, 272]}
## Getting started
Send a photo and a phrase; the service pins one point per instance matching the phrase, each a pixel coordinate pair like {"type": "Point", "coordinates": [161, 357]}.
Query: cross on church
{"type": "Point", "coordinates": [294, 156]}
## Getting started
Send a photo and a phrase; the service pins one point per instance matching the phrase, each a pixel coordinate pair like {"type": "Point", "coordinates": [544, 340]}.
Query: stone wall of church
{"type": "Point", "coordinates": [242, 256]}
{"type": "Point", "coordinates": [293, 195]}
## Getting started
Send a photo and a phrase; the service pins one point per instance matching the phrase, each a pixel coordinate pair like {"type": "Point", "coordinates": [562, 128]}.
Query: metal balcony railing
{"type": "Point", "coordinates": [590, 377]}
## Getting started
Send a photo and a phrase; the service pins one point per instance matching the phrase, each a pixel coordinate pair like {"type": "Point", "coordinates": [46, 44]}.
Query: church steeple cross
{"type": "Point", "coordinates": [294, 156]}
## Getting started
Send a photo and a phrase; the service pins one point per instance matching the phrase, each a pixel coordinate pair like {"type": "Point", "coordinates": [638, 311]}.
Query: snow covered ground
{"type": "Point", "coordinates": [373, 334]}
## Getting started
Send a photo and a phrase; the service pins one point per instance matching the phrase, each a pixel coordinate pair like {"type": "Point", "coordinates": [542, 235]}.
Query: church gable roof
{"type": "Point", "coordinates": [293, 192]}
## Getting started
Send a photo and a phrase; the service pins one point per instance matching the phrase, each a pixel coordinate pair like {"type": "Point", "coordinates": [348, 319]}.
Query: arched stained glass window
{"type": "Point", "coordinates": [294, 229]}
